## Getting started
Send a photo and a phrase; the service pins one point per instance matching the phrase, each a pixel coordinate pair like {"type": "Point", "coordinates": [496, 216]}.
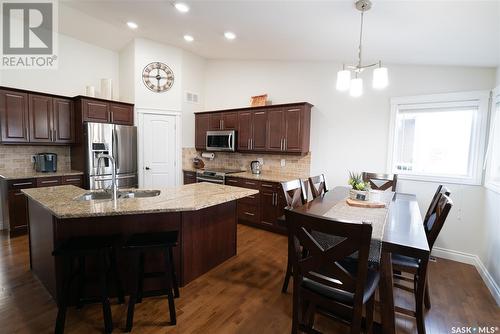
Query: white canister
{"type": "Point", "coordinates": [107, 89]}
{"type": "Point", "coordinates": [90, 91]}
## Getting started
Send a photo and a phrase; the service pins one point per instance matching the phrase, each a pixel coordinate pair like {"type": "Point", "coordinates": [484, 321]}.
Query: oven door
{"type": "Point", "coordinates": [221, 140]}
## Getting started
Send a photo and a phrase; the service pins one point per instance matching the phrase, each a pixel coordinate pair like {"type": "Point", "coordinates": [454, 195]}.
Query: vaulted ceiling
{"type": "Point", "coordinates": [400, 32]}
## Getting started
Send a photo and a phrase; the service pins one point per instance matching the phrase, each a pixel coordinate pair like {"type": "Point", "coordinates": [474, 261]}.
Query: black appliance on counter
{"type": "Point", "coordinates": [46, 162]}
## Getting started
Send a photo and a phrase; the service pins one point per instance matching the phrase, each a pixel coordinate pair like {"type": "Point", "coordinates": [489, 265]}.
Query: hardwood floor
{"type": "Point", "coordinates": [240, 296]}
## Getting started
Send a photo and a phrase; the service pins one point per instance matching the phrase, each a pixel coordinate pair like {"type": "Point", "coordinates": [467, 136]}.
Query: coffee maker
{"type": "Point", "coordinates": [256, 167]}
{"type": "Point", "coordinates": [46, 162]}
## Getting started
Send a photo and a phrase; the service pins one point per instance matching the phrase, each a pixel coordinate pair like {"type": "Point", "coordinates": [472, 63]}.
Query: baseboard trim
{"type": "Point", "coordinates": [476, 262]}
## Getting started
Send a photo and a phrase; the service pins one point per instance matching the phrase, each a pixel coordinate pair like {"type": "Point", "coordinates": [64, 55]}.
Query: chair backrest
{"type": "Point", "coordinates": [437, 218]}
{"type": "Point", "coordinates": [376, 180]}
{"type": "Point", "coordinates": [326, 266]}
{"type": "Point", "coordinates": [295, 193]}
{"type": "Point", "coordinates": [318, 185]}
{"type": "Point", "coordinates": [432, 206]}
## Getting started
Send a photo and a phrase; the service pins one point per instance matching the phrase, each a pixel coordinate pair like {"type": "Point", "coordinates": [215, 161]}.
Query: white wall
{"type": "Point", "coordinates": [80, 64]}
{"type": "Point", "coordinates": [193, 80]}
{"type": "Point", "coordinates": [352, 134]}
{"type": "Point", "coordinates": [127, 67]}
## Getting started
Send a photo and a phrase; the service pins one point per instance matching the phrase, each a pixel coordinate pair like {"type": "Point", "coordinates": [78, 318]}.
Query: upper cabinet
{"type": "Point", "coordinates": [63, 122]}
{"type": "Point", "coordinates": [281, 128]}
{"type": "Point", "coordinates": [14, 117]}
{"type": "Point", "coordinates": [103, 111]}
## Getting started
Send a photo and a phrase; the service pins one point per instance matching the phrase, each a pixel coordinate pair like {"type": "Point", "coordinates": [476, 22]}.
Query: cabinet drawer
{"type": "Point", "coordinates": [48, 181]}
{"type": "Point", "coordinates": [252, 200]}
{"type": "Point", "coordinates": [76, 180]}
{"type": "Point", "coordinates": [234, 181]}
{"type": "Point", "coordinates": [21, 184]}
{"type": "Point", "coordinates": [189, 177]}
{"type": "Point", "coordinates": [252, 184]}
{"type": "Point", "coordinates": [270, 186]}
{"type": "Point", "coordinates": [248, 212]}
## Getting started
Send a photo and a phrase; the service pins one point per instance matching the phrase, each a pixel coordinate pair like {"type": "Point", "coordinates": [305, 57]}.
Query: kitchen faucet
{"type": "Point", "coordinates": [113, 174]}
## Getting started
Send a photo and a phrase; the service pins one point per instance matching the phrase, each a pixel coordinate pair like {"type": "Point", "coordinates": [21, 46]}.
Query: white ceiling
{"type": "Point", "coordinates": [400, 32]}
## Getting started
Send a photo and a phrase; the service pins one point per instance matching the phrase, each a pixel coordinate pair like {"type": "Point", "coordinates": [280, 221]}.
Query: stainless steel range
{"type": "Point", "coordinates": [214, 175]}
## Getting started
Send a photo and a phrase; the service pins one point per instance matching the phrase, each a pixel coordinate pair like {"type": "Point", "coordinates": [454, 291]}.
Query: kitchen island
{"type": "Point", "coordinates": [204, 214]}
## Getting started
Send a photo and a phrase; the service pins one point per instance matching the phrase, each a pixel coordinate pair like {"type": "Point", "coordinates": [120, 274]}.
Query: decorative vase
{"type": "Point", "coordinates": [107, 89]}
{"type": "Point", "coordinates": [358, 195]}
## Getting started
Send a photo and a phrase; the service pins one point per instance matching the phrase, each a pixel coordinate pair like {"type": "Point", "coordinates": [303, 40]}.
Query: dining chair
{"type": "Point", "coordinates": [295, 195]}
{"type": "Point", "coordinates": [432, 206]}
{"type": "Point", "coordinates": [379, 181]}
{"type": "Point", "coordinates": [329, 280]}
{"type": "Point", "coordinates": [405, 264]}
{"type": "Point", "coordinates": [318, 185]}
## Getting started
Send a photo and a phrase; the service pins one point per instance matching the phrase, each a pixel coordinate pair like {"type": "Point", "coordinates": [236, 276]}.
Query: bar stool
{"type": "Point", "coordinates": [104, 251]}
{"type": "Point", "coordinates": [138, 245]}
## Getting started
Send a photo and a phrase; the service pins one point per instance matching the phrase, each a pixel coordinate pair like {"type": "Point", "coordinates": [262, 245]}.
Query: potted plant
{"type": "Point", "coordinates": [360, 189]}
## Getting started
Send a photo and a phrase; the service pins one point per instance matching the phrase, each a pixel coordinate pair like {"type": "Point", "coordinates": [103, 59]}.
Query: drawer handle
{"type": "Point", "coordinates": [52, 181]}
{"type": "Point", "coordinates": [18, 194]}
{"type": "Point", "coordinates": [232, 181]}
{"type": "Point", "coordinates": [250, 183]}
{"type": "Point", "coordinates": [260, 113]}
{"type": "Point", "coordinates": [267, 185]}
{"type": "Point", "coordinates": [72, 180]}
{"type": "Point", "coordinates": [251, 197]}
{"type": "Point", "coordinates": [249, 213]}
{"type": "Point", "coordinates": [295, 109]}
{"type": "Point", "coordinates": [22, 184]}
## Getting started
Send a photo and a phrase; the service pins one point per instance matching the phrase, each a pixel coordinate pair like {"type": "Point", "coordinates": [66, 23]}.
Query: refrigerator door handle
{"type": "Point", "coordinates": [116, 152]}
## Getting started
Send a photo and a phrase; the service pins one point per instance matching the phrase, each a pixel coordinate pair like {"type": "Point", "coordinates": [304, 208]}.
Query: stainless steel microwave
{"type": "Point", "coordinates": [221, 140]}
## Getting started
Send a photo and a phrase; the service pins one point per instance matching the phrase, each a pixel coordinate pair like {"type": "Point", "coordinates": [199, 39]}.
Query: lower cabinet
{"type": "Point", "coordinates": [189, 177]}
{"type": "Point", "coordinates": [263, 209]}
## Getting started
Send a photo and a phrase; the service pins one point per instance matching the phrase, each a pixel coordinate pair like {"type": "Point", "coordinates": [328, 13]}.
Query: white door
{"type": "Point", "coordinates": [159, 151]}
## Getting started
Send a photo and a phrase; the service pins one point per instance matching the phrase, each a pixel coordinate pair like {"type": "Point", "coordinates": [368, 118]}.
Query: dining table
{"type": "Point", "coordinates": [403, 233]}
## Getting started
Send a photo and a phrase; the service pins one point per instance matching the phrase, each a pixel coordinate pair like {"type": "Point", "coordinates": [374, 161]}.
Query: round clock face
{"type": "Point", "coordinates": [158, 77]}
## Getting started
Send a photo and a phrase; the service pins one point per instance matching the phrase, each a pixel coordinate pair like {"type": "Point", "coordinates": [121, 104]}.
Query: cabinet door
{"type": "Point", "coordinates": [244, 130]}
{"type": "Point", "coordinates": [215, 121]}
{"type": "Point", "coordinates": [259, 133]}
{"type": "Point", "coordinates": [269, 213]}
{"type": "Point", "coordinates": [75, 180]}
{"type": "Point", "coordinates": [275, 129]}
{"type": "Point", "coordinates": [201, 128]}
{"type": "Point", "coordinates": [121, 114]}
{"type": "Point", "coordinates": [40, 118]}
{"type": "Point", "coordinates": [189, 177]}
{"type": "Point", "coordinates": [14, 116]}
{"type": "Point", "coordinates": [63, 122]}
{"type": "Point", "coordinates": [230, 120]}
{"type": "Point", "coordinates": [95, 111]}
{"type": "Point", "coordinates": [18, 213]}
{"type": "Point", "coordinates": [293, 130]}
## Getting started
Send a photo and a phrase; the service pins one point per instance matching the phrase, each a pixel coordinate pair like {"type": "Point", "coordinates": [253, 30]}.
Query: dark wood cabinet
{"type": "Point", "coordinates": [75, 180]}
{"type": "Point", "coordinates": [263, 209]}
{"type": "Point", "coordinates": [50, 181]}
{"type": "Point", "coordinates": [121, 114]}
{"type": "Point", "coordinates": [281, 128]}
{"type": "Point", "coordinates": [95, 111]}
{"type": "Point", "coordinates": [189, 177]}
{"type": "Point", "coordinates": [40, 118]}
{"type": "Point", "coordinates": [14, 117]}
{"type": "Point", "coordinates": [201, 127]}
{"type": "Point", "coordinates": [63, 122]}
{"type": "Point", "coordinates": [18, 206]}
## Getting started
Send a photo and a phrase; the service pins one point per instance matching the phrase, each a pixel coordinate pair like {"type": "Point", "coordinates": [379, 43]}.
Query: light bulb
{"type": "Point", "coordinates": [380, 78]}
{"type": "Point", "coordinates": [356, 87]}
{"type": "Point", "coordinates": [343, 80]}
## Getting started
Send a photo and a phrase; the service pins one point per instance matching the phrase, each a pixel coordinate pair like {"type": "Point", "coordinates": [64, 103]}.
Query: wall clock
{"type": "Point", "coordinates": [158, 77]}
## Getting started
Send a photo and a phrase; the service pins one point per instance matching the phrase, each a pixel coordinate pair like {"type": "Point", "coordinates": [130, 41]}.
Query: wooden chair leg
{"type": "Point", "coordinates": [369, 314]}
{"type": "Point", "coordinates": [141, 278]}
{"type": "Point", "coordinates": [419, 296]}
{"type": "Point", "coordinates": [174, 273]}
{"type": "Point", "coordinates": [357, 316]}
{"type": "Point", "coordinates": [427, 298]}
{"type": "Point", "coordinates": [295, 311]}
{"type": "Point", "coordinates": [133, 295]}
{"type": "Point", "coordinates": [81, 282]}
{"type": "Point", "coordinates": [116, 277]}
{"type": "Point", "coordinates": [170, 295]}
{"type": "Point", "coordinates": [64, 296]}
{"type": "Point", "coordinates": [288, 275]}
{"type": "Point", "coordinates": [106, 309]}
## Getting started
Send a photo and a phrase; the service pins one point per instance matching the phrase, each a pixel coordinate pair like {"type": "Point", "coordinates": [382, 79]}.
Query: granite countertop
{"type": "Point", "coordinates": [61, 201]}
{"type": "Point", "coordinates": [14, 175]}
{"type": "Point", "coordinates": [263, 176]}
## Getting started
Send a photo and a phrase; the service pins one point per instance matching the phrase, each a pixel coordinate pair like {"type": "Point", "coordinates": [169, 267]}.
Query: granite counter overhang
{"type": "Point", "coordinates": [15, 175]}
{"type": "Point", "coordinates": [62, 203]}
{"type": "Point", "coordinates": [265, 176]}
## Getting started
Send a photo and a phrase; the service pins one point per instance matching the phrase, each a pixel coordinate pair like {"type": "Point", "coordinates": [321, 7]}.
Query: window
{"type": "Point", "coordinates": [493, 152]}
{"type": "Point", "coordinates": [439, 137]}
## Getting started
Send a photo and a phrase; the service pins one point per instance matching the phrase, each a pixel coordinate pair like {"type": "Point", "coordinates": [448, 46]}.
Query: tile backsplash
{"type": "Point", "coordinates": [272, 162]}
{"type": "Point", "coordinates": [18, 157]}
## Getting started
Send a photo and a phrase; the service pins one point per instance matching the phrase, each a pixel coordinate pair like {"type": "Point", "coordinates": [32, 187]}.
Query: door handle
{"type": "Point", "coordinates": [281, 144]}
{"type": "Point", "coordinates": [147, 168]}
{"type": "Point", "coordinates": [273, 199]}
{"type": "Point", "coordinates": [248, 143]}
{"type": "Point", "coordinates": [284, 144]}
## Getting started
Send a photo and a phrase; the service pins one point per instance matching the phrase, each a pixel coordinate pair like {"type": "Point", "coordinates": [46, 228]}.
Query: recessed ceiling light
{"type": "Point", "coordinates": [181, 7]}
{"type": "Point", "coordinates": [132, 25]}
{"type": "Point", "coordinates": [230, 35]}
{"type": "Point", "coordinates": [188, 38]}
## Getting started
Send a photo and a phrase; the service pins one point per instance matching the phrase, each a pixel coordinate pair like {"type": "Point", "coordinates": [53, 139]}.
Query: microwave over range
{"type": "Point", "coordinates": [221, 140]}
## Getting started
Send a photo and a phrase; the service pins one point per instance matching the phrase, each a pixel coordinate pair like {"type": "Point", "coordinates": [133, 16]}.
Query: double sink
{"type": "Point", "coordinates": [102, 195]}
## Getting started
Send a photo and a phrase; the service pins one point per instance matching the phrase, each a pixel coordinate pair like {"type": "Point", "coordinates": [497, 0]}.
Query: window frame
{"type": "Point", "coordinates": [479, 99]}
{"type": "Point", "coordinates": [494, 117]}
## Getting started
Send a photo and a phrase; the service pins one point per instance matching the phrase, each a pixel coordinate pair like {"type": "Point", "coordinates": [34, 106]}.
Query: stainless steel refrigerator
{"type": "Point", "coordinates": [120, 141]}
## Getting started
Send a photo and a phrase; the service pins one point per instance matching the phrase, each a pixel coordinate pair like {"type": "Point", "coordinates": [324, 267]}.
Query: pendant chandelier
{"type": "Point", "coordinates": [349, 78]}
